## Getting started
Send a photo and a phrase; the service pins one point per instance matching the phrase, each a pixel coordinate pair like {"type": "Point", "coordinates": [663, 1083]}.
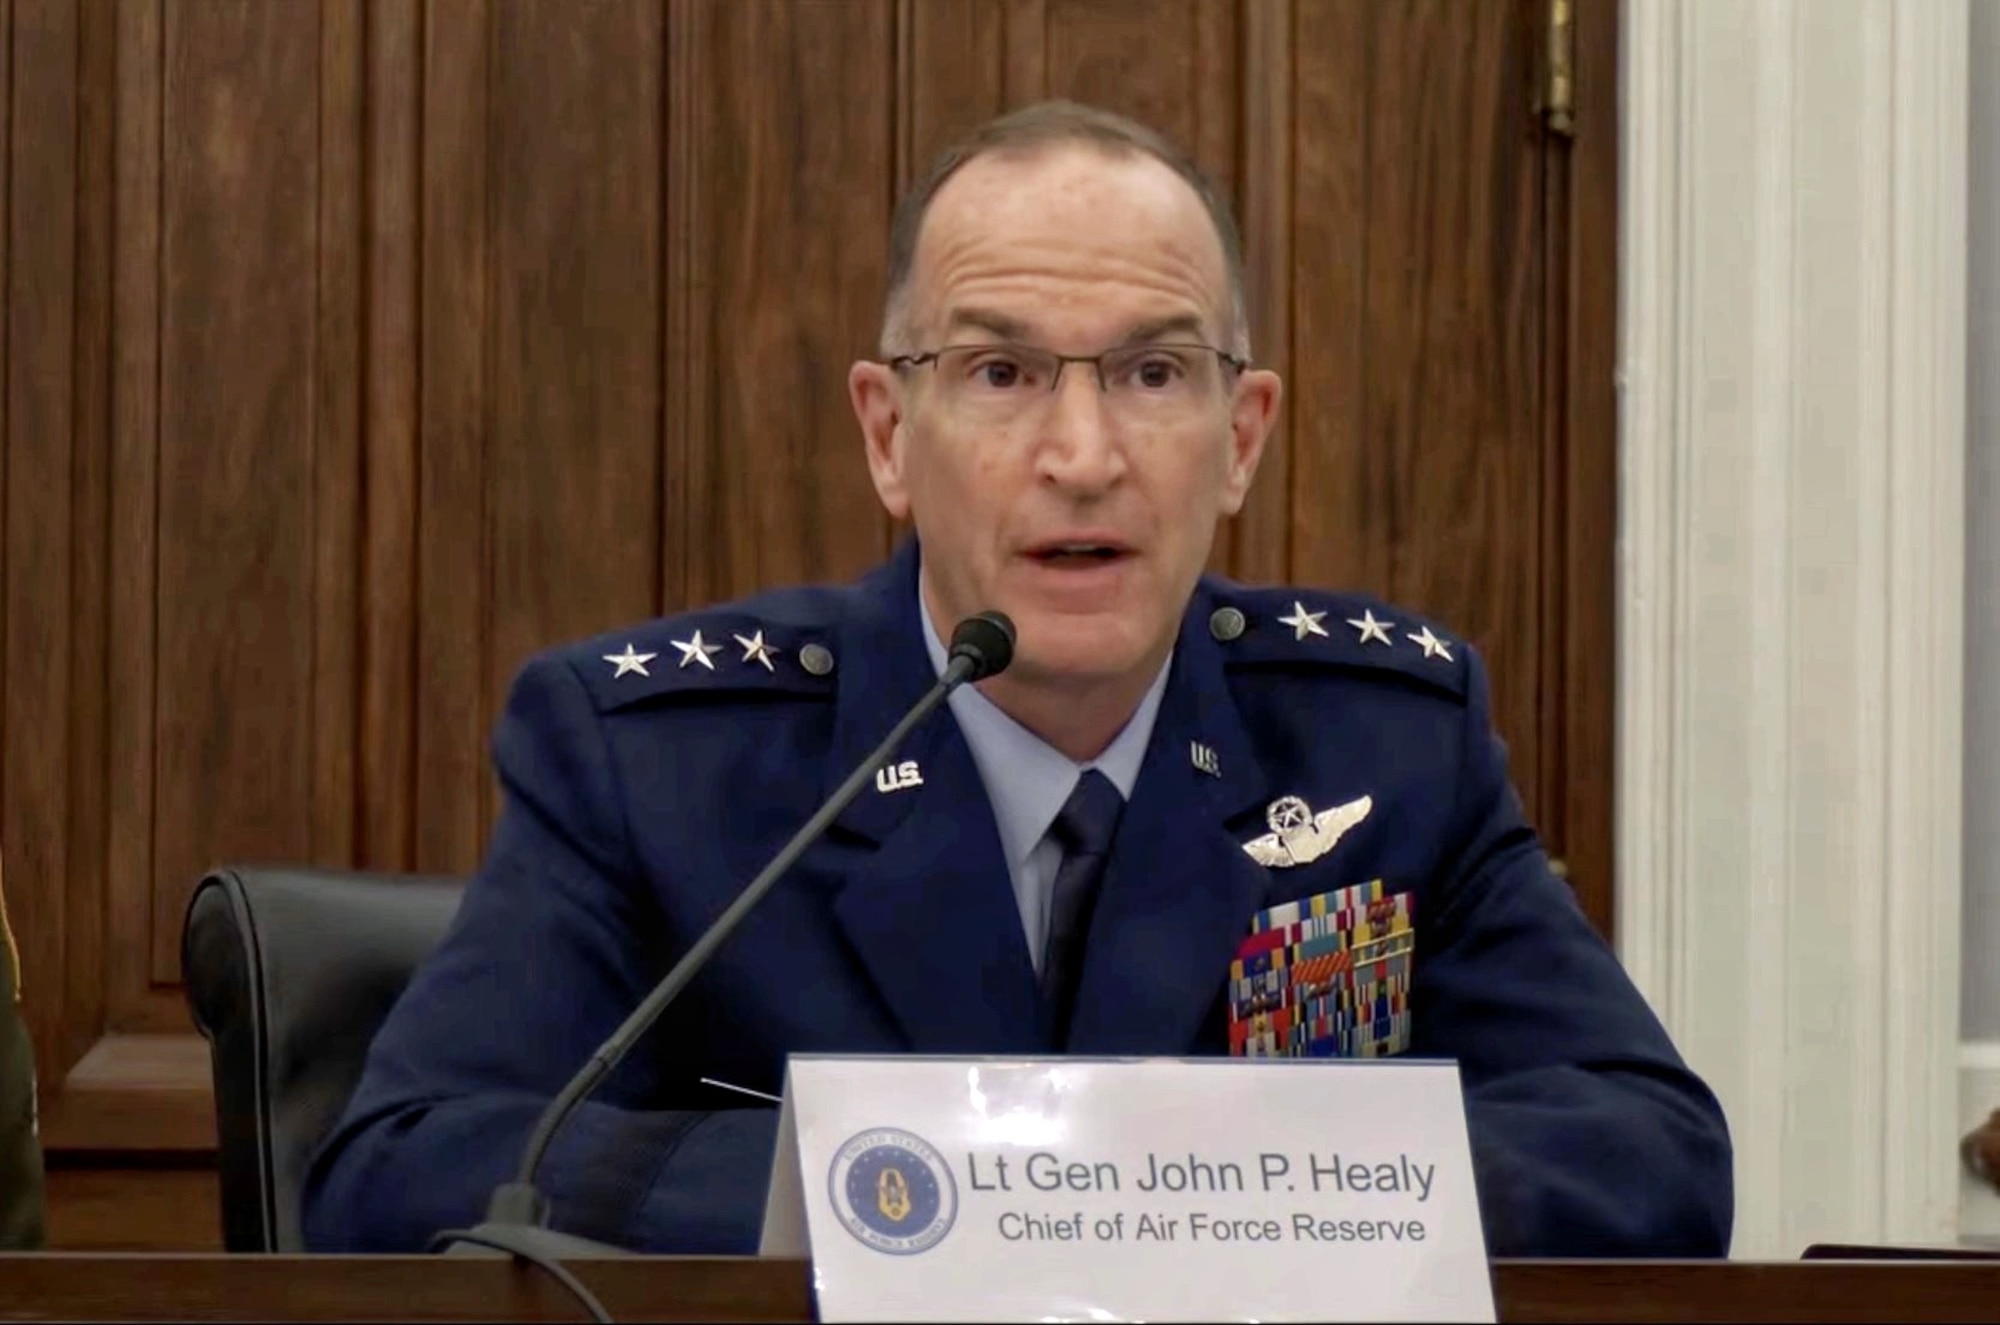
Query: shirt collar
{"type": "Point", "coordinates": [1026, 778]}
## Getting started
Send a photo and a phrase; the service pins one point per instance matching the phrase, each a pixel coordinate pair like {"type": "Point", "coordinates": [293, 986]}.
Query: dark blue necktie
{"type": "Point", "coordinates": [1083, 827]}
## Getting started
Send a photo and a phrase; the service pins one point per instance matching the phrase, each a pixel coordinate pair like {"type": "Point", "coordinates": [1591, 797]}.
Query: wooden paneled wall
{"type": "Point", "coordinates": [353, 349]}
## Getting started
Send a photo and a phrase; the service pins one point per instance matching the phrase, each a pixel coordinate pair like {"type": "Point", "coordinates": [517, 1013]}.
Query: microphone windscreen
{"type": "Point", "coordinates": [988, 640]}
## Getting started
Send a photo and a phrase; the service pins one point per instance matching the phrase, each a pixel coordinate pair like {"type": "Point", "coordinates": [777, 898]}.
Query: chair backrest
{"type": "Point", "coordinates": [290, 974]}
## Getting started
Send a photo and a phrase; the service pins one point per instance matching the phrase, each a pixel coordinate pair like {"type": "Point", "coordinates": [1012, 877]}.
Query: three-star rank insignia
{"type": "Point", "coordinates": [1259, 628]}
{"type": "Point", "coordinates": [1305, 624]}
{"type": "Point", "coordinates": [1298, 836]}
{"type": "Point", "coordinates": [718, 651]}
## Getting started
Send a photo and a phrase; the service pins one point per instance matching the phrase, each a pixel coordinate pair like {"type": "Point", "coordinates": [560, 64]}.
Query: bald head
{"type": "Point", "coordinates": [1059, 164]}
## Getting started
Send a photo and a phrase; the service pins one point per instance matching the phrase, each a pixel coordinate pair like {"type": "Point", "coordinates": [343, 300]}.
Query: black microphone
{"type": "Point", "coordinates": [517, 1214]}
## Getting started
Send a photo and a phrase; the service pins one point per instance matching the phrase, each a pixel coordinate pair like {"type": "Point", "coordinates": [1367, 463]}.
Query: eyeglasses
{"type": "Point", "coordinates": [1004, 382]}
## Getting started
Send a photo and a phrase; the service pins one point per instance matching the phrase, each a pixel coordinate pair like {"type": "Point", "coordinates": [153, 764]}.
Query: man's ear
{"type": "Point", "coordinates": [876, 394]}
{"type": "Point", "coordinates": [1251, 416]}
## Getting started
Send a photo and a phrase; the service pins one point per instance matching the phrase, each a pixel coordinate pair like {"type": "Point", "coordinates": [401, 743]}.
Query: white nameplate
{"type": "Point", "coordinates": [1150, 1189]}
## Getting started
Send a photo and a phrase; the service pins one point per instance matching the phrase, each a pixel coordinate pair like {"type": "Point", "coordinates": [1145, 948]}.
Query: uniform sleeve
{"type": "Point", "coordinates": [23, 1197]}
{"type": "Point", "coordinates": [1590, 1136]}
{"type": "Point", "coordinates": [553, 945]}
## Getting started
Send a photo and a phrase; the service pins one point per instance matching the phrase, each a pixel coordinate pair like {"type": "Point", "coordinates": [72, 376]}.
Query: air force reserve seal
{"type": "Point", "coordinates": [893, 1191]}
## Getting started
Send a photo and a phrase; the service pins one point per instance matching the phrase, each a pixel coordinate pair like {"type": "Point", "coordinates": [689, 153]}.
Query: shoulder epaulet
{"type": "Point", "coordinates": [1294, 628]}
{"type": "Point", "coordinates": [726, 650]}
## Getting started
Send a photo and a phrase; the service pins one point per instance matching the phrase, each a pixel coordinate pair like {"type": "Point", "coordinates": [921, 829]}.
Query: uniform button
{"type": "Point", "coordinates": [1226, 623]}
{"type": "Point", "coordinates": [816, 658]}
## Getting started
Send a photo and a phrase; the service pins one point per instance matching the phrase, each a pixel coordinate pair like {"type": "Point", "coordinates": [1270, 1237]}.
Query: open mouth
{"type": "Point", "coordinates": [1079, 555]}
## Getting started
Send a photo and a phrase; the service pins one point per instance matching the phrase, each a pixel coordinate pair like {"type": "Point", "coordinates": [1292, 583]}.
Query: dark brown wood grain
{"type": "Point", "coordinates": [336, 477]}
{"type": "Point", "coordinates": [139, 1093]}
{"type": "Point", "coordinates": [91, 629]}
{"type": "Point", "coordinates": [1335, 521]}
{"type": "Point", "coordinates": [131, 698]}
{"type": "Point", "coordinates": [150, 1207]}
{"type": "Point", "coordinates": [1453, 332]}
{"type": "Point", "coordinates": [574, 340]}
{"type": "Point", "coordinates": [1957, 1290]}
{"type": "Point", "coordinates": [688, 351]}
{"type": "Point", "coordinates": [796, 116]}
{"type": "Point", "coordinates": [1026, 72]}
{"type": "Point", "coordinates": [1256, 546]}
{"type": "Point", "coordinates": [392, 169]}
{"type": "Point", "coordinates": [1554, 232]}
{"type": "Point", "coordinates": [39, 490]}
{"type": "Point", "coordinates": [1110, 53]}
{"type": "Point", "coordinates": [952, 76]}
{"type": "Point", "coordinates": [454, 479]}
{"type": "Point", "coordinates": [1584, 633]}
{"type": "Point", "coordinates": [1417, 445]}
{"type": "Point", "coordinates": [236, 505]}
{"type": "Point", "coordinates": [350, 353]}
{"type": "Point", "coordinates": [100, 1286]}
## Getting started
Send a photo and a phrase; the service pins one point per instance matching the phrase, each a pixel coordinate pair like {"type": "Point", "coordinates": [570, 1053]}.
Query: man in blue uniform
{"type": "Point", "coordinates": [1104, 850]}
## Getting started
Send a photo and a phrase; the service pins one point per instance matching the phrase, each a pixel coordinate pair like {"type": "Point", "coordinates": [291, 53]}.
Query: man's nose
{"type": "Point", "coordinates": [1080, 446]}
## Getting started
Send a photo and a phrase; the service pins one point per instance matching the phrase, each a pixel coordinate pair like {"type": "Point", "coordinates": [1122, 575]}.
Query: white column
{"type": "Point", "coordinates": [1791, 577]}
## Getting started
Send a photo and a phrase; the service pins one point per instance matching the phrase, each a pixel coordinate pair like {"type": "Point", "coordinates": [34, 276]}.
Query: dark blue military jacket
{"type": "Point", "coordinates": [641, 797]}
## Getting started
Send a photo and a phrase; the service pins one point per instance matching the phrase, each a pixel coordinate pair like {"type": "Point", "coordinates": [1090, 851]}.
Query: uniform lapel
{"type": "Point", "coordinates": [1179, 890]}
{"type": "Point", "coordinates": [926, 900]}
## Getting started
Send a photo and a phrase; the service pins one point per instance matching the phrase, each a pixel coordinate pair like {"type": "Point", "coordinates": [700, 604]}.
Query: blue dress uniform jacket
{"type": "Point", "coordinates": [639, 799]}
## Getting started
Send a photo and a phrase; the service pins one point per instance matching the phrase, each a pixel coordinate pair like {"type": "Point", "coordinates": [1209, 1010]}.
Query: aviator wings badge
{"type": "Point", "coordinates": [1298, 836]}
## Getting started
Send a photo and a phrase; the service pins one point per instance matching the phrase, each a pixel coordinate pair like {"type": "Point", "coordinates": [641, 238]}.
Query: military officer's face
{"type": "Point", "coordinates": [1083, 507]}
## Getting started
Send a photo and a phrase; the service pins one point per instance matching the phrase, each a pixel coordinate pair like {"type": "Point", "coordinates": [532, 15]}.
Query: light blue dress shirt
{"type": "Point", "coordinates": [1027, 780]}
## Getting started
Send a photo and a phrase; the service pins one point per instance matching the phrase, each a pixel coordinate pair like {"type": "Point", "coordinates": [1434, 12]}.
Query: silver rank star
{"type": "Point", "coordinates": [1433, 646]}
{"type": "Point", "coordinates": [1302, 622]}
{"type": "Point", "coordinates": [630, 661]}
{"type": "Point", "coordinates": [695, 650]}
{"type": "Point", "coordinates": [1298, 836]}
{"type": "Point", "coordinates": [757, 651]}
{"type": "Point", "coordinates": [1371, 629]}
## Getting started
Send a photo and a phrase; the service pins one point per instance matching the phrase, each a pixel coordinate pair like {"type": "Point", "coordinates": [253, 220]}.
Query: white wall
{"type": "Point", "coordinates": [1791, 591]}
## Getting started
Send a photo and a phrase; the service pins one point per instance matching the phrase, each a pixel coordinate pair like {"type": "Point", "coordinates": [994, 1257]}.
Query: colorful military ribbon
{"type": "Point", "coordinates": [1326, 976]}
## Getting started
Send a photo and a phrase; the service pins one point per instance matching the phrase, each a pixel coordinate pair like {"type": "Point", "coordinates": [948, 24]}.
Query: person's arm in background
{"type": "Point", "coordinates": [555, 943]}
{"type": "Point", "coordinates": [23, 1190]}
{"type": "Point", "coordinates": [1590, 1136]}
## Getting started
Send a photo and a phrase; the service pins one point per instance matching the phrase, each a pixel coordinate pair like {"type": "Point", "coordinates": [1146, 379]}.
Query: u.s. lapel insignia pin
{"type": "Point", "coordinates": [1204, 758]}
{"type": "Point", "coordinates": [1298, 836]}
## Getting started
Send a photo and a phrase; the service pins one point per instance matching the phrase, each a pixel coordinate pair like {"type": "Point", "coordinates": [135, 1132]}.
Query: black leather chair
{"type": "Point", "coordinates": [290, 973]}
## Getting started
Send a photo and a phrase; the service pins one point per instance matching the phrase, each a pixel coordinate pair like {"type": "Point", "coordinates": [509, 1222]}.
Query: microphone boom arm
{"type": "Point", "coordinates": [521, 1202]}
